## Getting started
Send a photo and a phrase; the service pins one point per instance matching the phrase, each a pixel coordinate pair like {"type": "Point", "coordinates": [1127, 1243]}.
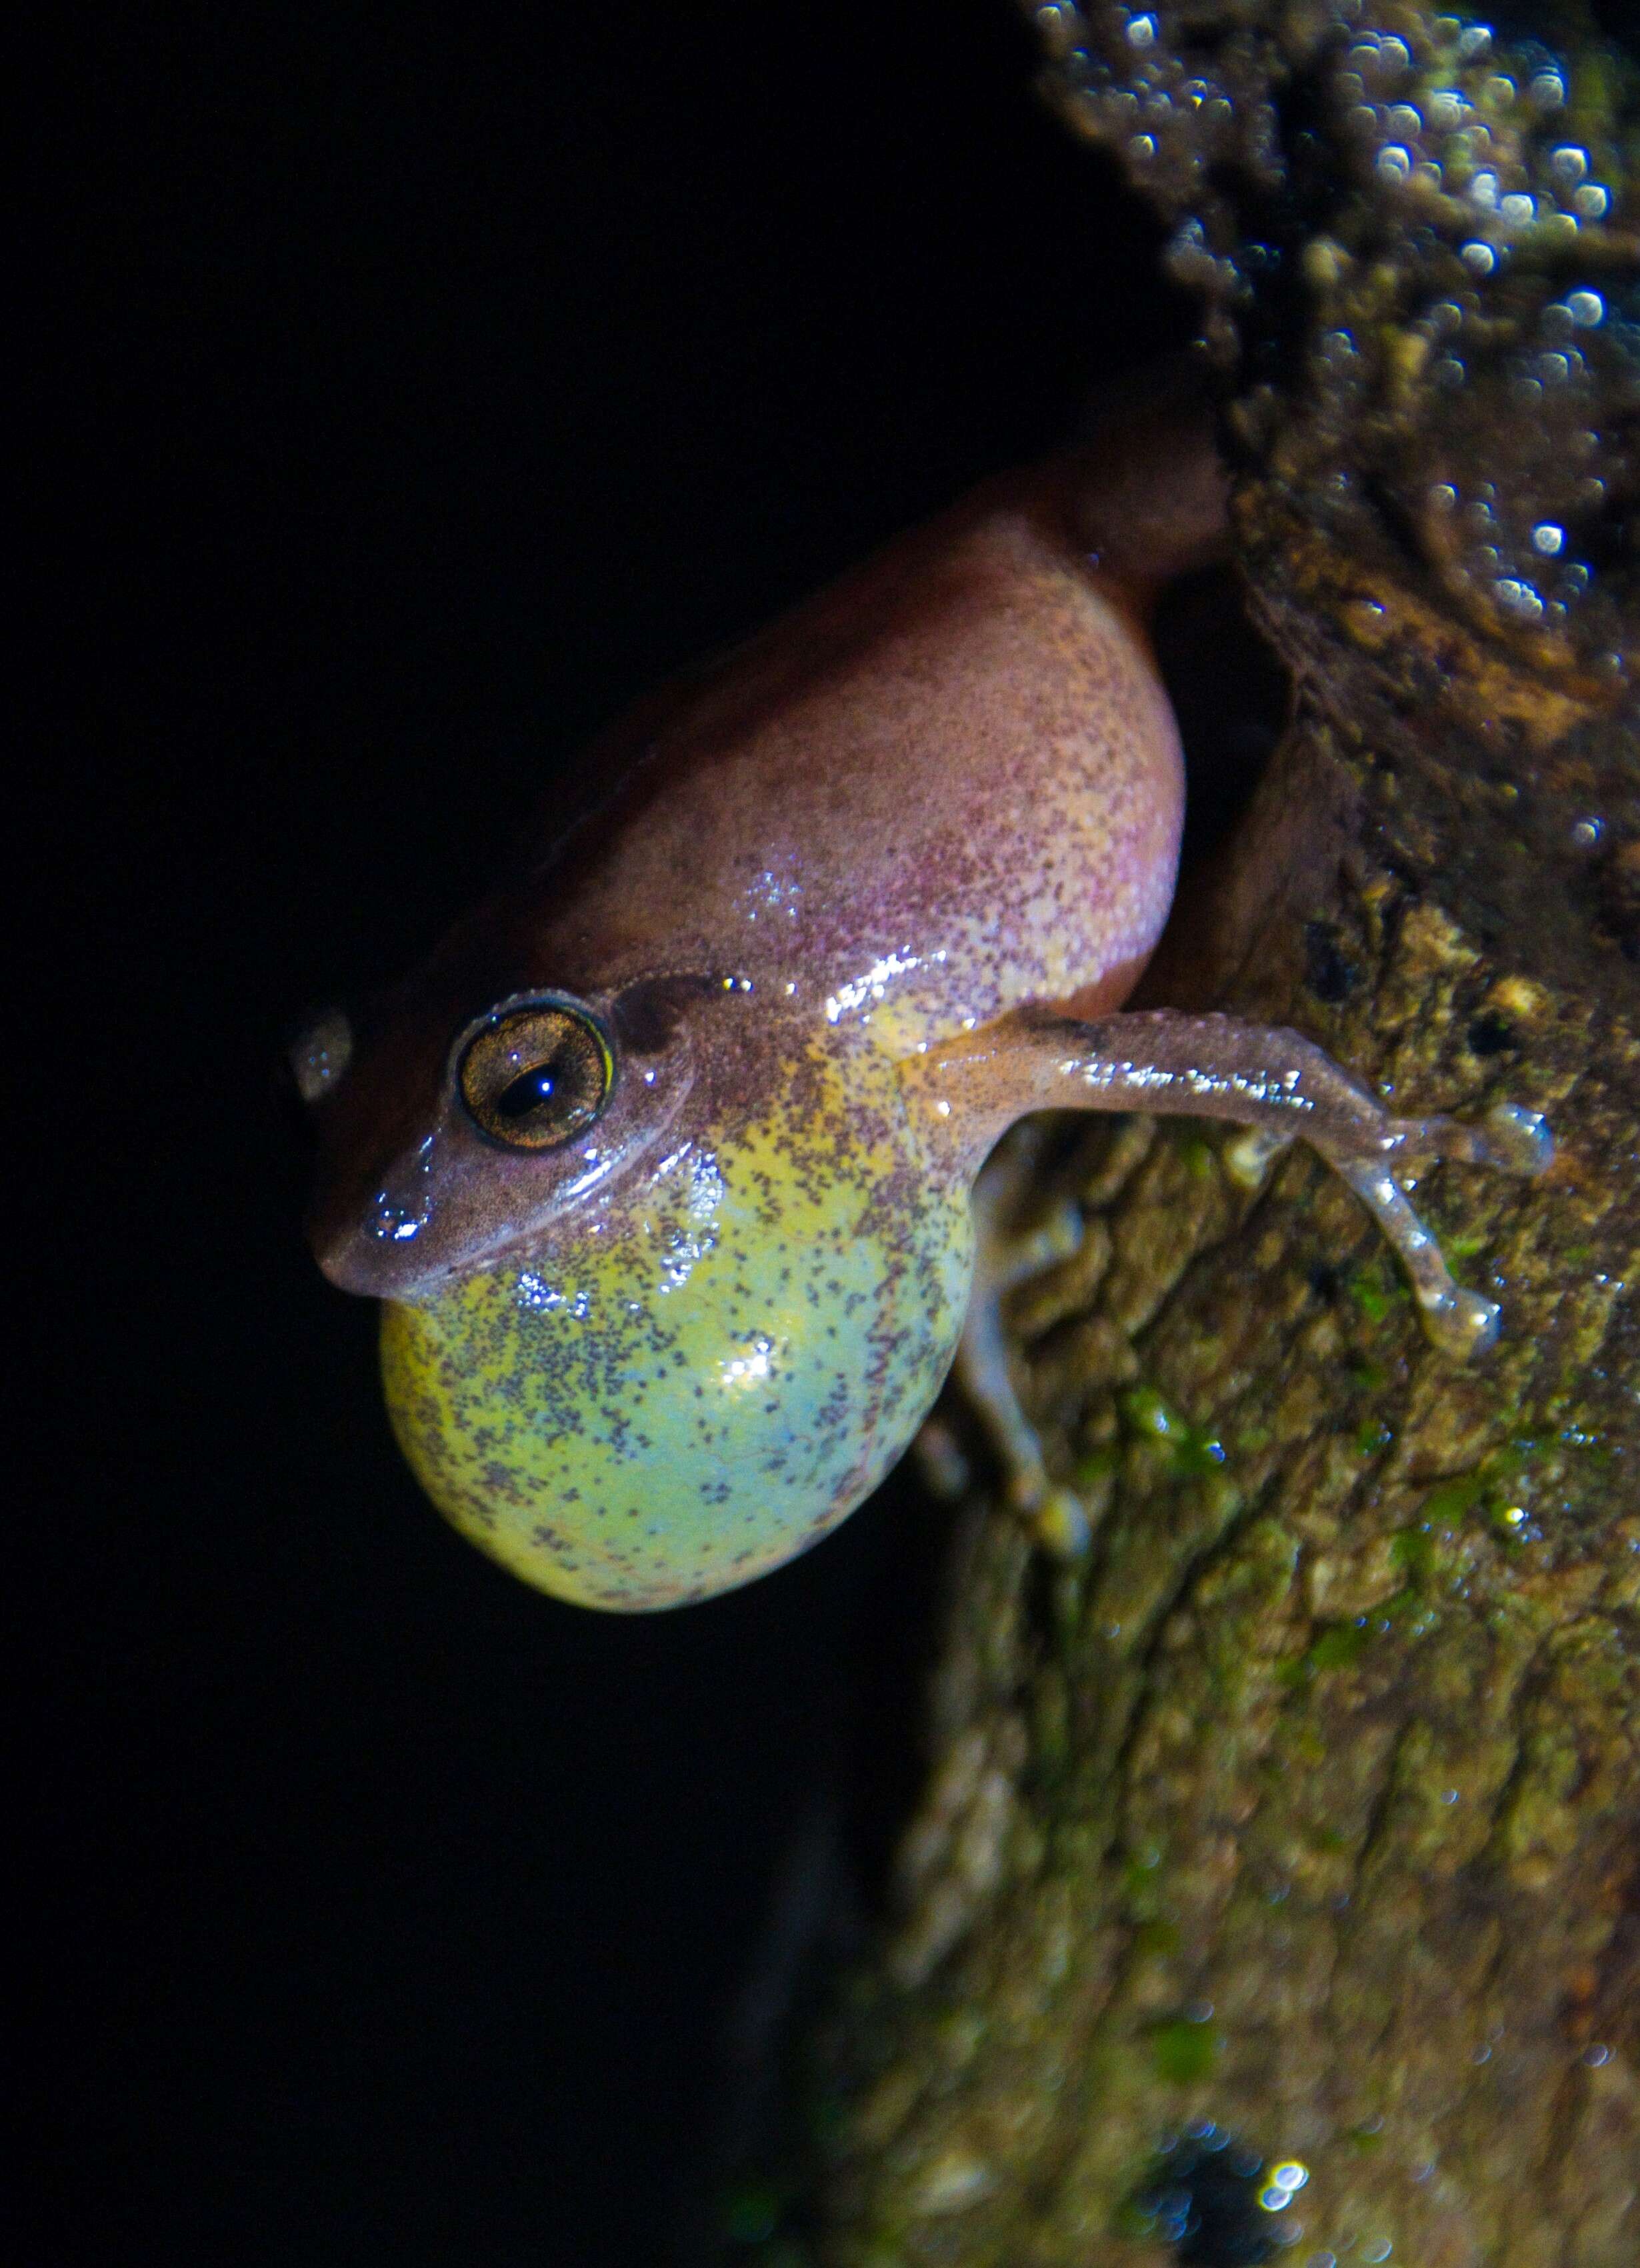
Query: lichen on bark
{"type": "Point", "coordinates": [1275, 1882]}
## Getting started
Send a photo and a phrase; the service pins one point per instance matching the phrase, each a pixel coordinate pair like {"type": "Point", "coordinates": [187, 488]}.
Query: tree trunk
{"type": "Point", "coordinates": [1275, 1880]}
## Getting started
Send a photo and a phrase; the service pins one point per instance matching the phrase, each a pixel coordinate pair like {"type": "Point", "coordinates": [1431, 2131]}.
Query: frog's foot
{"type": "Point", "coordinates": [1380, 1163]}
{"type": "Point", "coordinates": [1052, 1516]}
{"type": "Point", "coordinates": [1273, 1083]}
{"type": "Point", "coordinates": [1460, 1322]}
{"type": "Point", "coordinates": [1005, 1257]}
{"type": "Point", "coordinates": [1057, 1523]}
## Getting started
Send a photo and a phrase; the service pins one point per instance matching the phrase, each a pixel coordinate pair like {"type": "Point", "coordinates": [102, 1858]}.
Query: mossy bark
{"type": "Point", "coordinates": [1310, 1805]}
{"type": "Point", "coordinates": [1307, 1809]}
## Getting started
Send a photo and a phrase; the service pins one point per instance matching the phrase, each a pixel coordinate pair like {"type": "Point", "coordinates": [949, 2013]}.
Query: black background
{"type": "Point", "coordinates": [431, 381]}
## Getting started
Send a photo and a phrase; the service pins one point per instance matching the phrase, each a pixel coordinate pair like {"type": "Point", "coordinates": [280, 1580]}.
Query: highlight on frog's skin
{"type": "Point", "coordinates": [662, 1166]}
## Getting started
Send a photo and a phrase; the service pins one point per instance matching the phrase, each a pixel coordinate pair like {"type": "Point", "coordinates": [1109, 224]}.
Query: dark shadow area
{"type": "Point", "coordinates": [1213, 2202]}
{"type": "Point", "coordinates": [432, 384]}
{"type": "Point", "coordinates": [1231, 694]}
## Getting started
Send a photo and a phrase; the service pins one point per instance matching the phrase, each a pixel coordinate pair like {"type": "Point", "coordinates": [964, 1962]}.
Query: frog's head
{"type": "Point", "coordinates": [451, 1140]}
{"type": "Point", "coordinates": [664, 1300]}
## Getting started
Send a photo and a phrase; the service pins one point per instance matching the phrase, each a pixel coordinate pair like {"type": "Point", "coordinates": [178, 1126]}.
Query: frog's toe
{"type": "Point", "coordinates": [1519, 1140]}
{"type": "Point", "coordinates": [1059, 1526]}
{"type": "Point", "coordinates": [1460, 1323]}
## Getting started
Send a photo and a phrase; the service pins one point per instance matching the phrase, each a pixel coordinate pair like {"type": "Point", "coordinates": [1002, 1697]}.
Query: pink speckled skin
{"type": "Point", "coordinates": [948, 784]}
{"type": "Point", "coordinates": [960, 750]}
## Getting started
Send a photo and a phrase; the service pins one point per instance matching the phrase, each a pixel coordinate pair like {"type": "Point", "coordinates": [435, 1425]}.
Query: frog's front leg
{"type": "Point", "coordinates": [1272, 1081]}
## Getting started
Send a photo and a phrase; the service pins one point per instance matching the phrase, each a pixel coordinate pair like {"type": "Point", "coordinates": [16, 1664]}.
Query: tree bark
{"type": "Point", "coordinates": [1275, 1880]}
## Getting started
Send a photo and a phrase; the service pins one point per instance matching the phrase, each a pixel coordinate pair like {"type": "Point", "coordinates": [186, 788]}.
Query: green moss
{"type": "Point", "coordinates": [1453, 1498]}
{"type": "Point", "coordinates": [1147, 1415]}
{"type": "Point", "coordinates": [1340, 1646]}
{"type": "Point", "coordinates": [1410, 1613]}
{"type": "Point", "coordinates": [1412, 1550]}
{"type": "Point", "coordinates": [1492, 1487]}
{"type": "Point", "coordinates": [1337, 1647]}
{"type": "Point", "coordinates": [1184, 2051]}
{"type": "Point", "coordinates": [1140, 1896]}
{"type": "Point", "coordinates": [1198, 1158]}
{"type": "Point", "coordinates": [1148, 1418]}
{"type": "Point", "coordinates": [1376, 1292]}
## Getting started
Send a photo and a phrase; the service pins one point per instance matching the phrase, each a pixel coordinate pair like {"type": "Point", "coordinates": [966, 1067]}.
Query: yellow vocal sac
{"type": "Point", "coordinates": [701, 1393]}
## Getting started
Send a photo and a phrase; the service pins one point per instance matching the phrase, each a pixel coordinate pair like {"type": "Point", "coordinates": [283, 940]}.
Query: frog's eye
{"type": "Point", "coordinates": [536, 1075]}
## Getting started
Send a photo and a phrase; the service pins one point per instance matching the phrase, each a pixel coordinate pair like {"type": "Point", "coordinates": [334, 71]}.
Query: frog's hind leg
{"type": "Point", "coordinates": [1004, 1256]}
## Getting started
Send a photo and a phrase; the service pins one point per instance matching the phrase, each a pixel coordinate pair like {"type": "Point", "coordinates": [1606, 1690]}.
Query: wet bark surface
{"type": "Point", "coordinates": [1273, 1890]}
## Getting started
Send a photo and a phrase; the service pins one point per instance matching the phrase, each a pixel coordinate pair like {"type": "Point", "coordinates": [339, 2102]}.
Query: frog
{"type": "Point", "coordinates": [664, 1163]}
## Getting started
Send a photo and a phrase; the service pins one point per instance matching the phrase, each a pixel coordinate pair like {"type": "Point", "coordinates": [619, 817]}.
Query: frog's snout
{"type": "Point", "coordinates": [361, 1258]}
{"type": "Point", "coordinates": [320, 1054]}
{"type": "Point", "coordinates": [376, 1241]}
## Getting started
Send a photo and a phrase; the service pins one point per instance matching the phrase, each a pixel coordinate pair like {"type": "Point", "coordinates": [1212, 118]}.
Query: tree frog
{"type": "Point", "coordinates": [662, 1164]}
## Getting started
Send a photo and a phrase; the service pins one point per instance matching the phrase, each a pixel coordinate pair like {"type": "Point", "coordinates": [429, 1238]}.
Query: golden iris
{"type": "Point", "coordinates": [536, 1076]}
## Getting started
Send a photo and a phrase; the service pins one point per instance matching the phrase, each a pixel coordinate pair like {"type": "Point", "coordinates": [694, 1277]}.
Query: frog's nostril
{"type": "Point", "coordinates": [319, 1055]}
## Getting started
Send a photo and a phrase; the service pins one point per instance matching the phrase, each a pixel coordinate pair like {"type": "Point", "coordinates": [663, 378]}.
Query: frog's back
{"type": "Point", "coordinates": [949, 783]}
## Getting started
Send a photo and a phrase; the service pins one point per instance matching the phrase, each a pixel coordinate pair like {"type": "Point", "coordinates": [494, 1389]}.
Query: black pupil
{"type": "Point", "coordinates": [530, 1090]}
